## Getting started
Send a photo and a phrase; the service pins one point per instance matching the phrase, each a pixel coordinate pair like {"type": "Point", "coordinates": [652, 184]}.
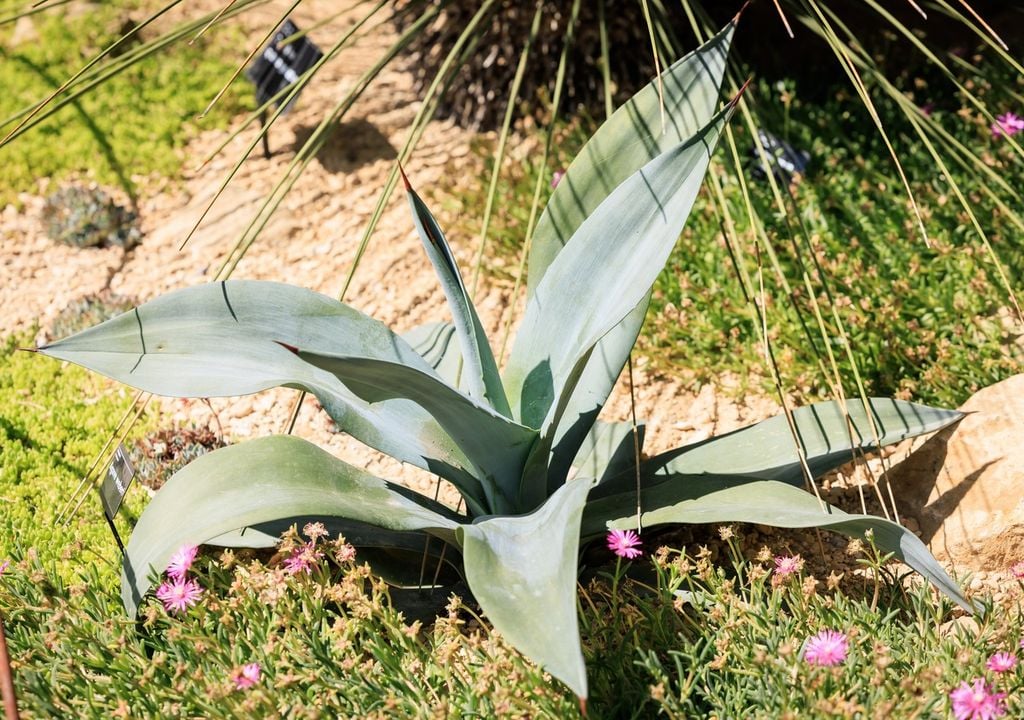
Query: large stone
{"type": "Point", "coordinates": [965, 485]}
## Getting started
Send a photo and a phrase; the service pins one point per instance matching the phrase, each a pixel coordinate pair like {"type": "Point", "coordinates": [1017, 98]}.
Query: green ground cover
{"type": "Point", "coordinates": [128, 128]}
{"type": "Point", "coordinates": [687, 637]}
{"type": "Point", "coordinates": [54, 420]}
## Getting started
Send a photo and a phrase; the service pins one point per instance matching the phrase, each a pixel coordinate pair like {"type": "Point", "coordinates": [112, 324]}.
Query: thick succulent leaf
{"type": "Point", "coordinates": [767, 451]}
{"type": "Point", "coordinates": [480, 372]}
{"type": "Point", "coordinates": [717, 499]}
{"type": "Point", "coordinates": [602, 275]}
{"type": "Point", "coordinates": [609, 450]}
{"type": "Point", "coordinates": [435, 342]}
{"type": "Point", "coordinates": [522, 571]}
{"type": "Point", "coordinates": [633, 136]}
{"type": "Point", "coordinates": [688, 94]}
{"type": "Point", "coordinates": [261, 481]}
{"type": "Point", "coordinates": [224, 339]}
{"type": "Point", "coordinates": [495, 445]}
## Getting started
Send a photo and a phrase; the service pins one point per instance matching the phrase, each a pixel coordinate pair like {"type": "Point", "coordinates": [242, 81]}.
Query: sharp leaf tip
{"type": "Point", "coordinates": [405, 180]}
{"type": "Point", "coordinates": [286, 346]}
{"type": "Point", "coordinates": [736, 17]}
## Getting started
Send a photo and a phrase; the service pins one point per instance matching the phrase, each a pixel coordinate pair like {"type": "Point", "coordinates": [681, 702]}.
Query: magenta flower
{"type": "Point", "coordinates": [4, 565]}
{"type": "Point", "coordinates": [828, 648]}
{"type": "Point", "coordinates": [1018, 570]}
{"type": "Point", "coordinates": [977, 701]}
{"type": "Point", "coordinates": [246, 676]}
{"type": "Point", "coordinates": [556, 178]}
{"type": "Point", "coordinates": [625, 543]}
{"type": "Point", "coordinates": [1001, 662]}
{"type": "Point", "coordinates": [1007, 124]}
{"type": "Point", "coordinates": [788, 565]}
{"type": "Point", "coordinates": [181, 561]}
{"type": "Point", "coordinates": [302, 559]}
{"type": "Point", "coordinates": [179, 595]}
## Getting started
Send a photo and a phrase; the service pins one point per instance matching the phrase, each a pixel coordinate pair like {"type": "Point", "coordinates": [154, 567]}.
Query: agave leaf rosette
{"type": "Point", "coordinates": [538, 473]}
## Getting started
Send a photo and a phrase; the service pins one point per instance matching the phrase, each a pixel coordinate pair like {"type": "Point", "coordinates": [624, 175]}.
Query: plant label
{"type": "Point", "coordinates": [119, 476]}
{"type": "Point", "coordinates": [281, 63]}
{"type": "Point", "coordinates": [784, 160]}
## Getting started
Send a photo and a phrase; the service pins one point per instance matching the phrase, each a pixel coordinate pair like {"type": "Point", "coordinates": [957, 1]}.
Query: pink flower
{"type": "Point", "coordinates": [246, 676]}
{"type": "Point", "coordinates": [788, 565]}
{"type": "Point", "coordinates": [977, 701]}
{"type": "Point", "coordinates": [556, 178]}
{"type": "Point", "coordinates": [1007, 124]}
{"type": "Point", "coordinates": [181, 561]}
{"type": "Point", "coordinates": [828, 648]}
{"type": "Point", "coordinates": [625, 543]}
{"type": "Point", "coordinates": [179, 595]}
{"type": "Point", "coordinates": [4, 565]}
{"type": "Point", "coordinates": [302, 559]}
{"type": "Point", "coordinates": [1001, 662]}
{"type": "Point", "coordinates": [1018, 570]}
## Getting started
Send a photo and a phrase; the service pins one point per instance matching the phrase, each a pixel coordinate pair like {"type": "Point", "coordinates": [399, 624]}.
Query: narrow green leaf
{"type": "Point", "coordinates": [480, 371]}
{"type": "Point", "coordinates": [522, 571]}
{"type": "Point", "coordinates": [262, 481]}
{"type": "Point", "coordinates": [224, 339]}
{"type": "Point", "coordinates": [495, 445]}
{"type": "Point", "coordinates": [718, 499]}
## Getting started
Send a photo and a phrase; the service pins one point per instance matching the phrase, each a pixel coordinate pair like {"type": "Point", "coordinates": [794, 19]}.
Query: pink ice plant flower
{"type": "Point", "coordinates": [1018, 570]}
{"type": "Point", "coordinates": [247, 676]}
{"type": "Point", "coordinates": [625, 544]}
{"type": "Point", "coordinates": [977, 701]}
{"type": "Point", "coordinates": [1007, 124]}
{"type": "Point", "coordinates": [1001, 662]}
{"type": "Point", "coordinates": [179, 595]}
{"type": "Point", "coordinates": [828, 648]}
{"type": "Point", "coordinates": [788, 565]}
{"type": "Point", "coordinates": [302, 559]}
{"type": "Point", "coordinates": [181, 561]}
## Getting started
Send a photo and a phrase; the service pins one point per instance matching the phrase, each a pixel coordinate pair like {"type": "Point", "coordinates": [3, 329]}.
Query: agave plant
{"type": "Point", "coordinates": [539, 474]}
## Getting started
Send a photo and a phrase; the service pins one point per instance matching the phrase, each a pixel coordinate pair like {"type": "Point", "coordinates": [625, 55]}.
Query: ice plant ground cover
{"type": "Point", "coordinates": [539, 475]}
{"type": "Point", "coordinates": [688, 638]}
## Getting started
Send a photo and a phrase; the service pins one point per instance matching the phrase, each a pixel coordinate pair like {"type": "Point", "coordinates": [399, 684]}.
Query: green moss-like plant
{"type": "Point", "coordinates": [54, 420]}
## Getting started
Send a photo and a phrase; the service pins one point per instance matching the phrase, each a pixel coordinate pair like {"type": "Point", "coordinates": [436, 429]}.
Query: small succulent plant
{"type": "Point", "coordinates": [88, 311]}
{"type": "Point", "coordinates": [160, 454]}
{"type": "Point", "coordinates": [86, 216]}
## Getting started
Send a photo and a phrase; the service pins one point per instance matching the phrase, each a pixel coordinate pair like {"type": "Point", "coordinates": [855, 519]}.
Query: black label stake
{"type": "Point", "coordinates": [115, 485]}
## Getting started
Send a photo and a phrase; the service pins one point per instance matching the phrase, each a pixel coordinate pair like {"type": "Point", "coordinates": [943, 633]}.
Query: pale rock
{"type": "Point", "coordinates": [965, 485]}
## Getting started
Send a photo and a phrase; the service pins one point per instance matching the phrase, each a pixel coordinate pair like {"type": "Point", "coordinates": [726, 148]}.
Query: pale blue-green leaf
{"type": "Point", "coordinates": [435, 342]}
{"type": "Point", "coordinates": [495, 445]}
{"type": "Point", "coordinates": [610, 449]}
{"type": "Point", "coordinates": [261, 481]}
{"type": "Point", "coordinates": [766, 450]}
{"type": "Point", "coordinates": [597, 280]}
{"type": "Point", "coordinates": [522, 571]}
{"type": "Point", "coordinates": [223, 339]}
{"type": "Point", "coordinates": [688, 91]}
{"type": "Point", "coordinates": [603, 273]}
{"type": "Point", "coordinates": [479, 374]}
{"type": "Point", "coordinates": [715, 499]}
